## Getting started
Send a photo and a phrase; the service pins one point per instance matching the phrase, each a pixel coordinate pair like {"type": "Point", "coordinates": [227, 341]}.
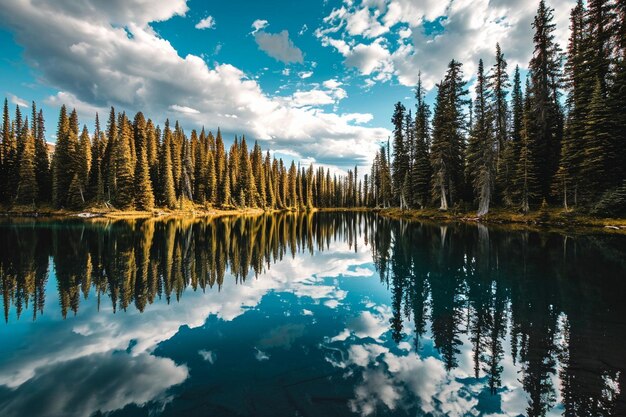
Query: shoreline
{"type": "Point", "coordinates": [555, 219]}
{"type": "Point", "coordinates": [550, 219]}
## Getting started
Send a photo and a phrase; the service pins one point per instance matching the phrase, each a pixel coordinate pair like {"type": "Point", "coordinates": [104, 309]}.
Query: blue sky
{"type": "Point", "coordinates": [312, 80]}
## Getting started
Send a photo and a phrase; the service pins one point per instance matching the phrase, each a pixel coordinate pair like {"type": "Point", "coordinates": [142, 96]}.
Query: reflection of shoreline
{"type": "Point", "coordinates": [129, 339]}
{"type": "Point", "coordinates": [137, 261]}
{"type": "Point", "coordinates": [558, 301]}
{"type": "Point", "coordinates": [491, 306]}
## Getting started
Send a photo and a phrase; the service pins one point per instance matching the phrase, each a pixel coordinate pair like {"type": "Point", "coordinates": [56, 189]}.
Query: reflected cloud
{"type": "Point", "coordinates": [97, 382]}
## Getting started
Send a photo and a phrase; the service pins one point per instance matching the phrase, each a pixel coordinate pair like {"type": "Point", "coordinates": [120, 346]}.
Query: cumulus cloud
{"type": "Point", "coordinates": [278, 46]}
{"type": "Point", "coordinates": [206, 23]}
{"type": "Point", "coordinates": [385, 39]}
{"type": "Point", "coordinates": [259, 24]}
{"type": "Point", "coordinates": [99, 382]}
{"type": "Point", "coordinates": [98, 55]}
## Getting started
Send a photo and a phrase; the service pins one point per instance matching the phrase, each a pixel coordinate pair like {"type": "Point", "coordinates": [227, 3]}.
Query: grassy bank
{"type": "Point", "coordinates": [545, 218]}
{"type": "Point", "coordinates": [188, 210]}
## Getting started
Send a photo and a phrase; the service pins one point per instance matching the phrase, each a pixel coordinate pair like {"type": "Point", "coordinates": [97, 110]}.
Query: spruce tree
{"type": "Point", "coordinates": [597, 160]}
{"type": "Point", "coordinates": [498, 84]}
{"type": "Point", "coordinates": [482, 145]}
{"type": "Point", "coordinates": [144, 196]}
{"type": "Point", "coordinates": [579, 94]}
{"type": "Point", "coordinates": [27, 188]}
{"type": "Point", "coordinates": [63, 169]}
{"type": "Point", "coordinates": [168, 193]}
{"type": "Point", "coordinates": [421, 169]}
{"type": "Point", "coordinates": [42, 162]}
{"type": "Point", "coordinates": [124, 196]}
{"type": "Point", "coordinates": [546, 130]}
{"type": "Point", "coordinates": [400, 165]}
{"type": "Point", "coordinates": [448, 138]}
{"type": "Point", "coordinates": [527, 185]}
{"type": "Point", "coordinates": [510, 158]}
{"type": "Point", "coordinates": [95, 186]}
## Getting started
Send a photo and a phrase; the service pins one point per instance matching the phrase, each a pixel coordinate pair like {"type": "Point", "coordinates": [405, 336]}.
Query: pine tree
{"type": "Point", "coordinates": [211, 179]}
{"type": "Point", "coordinates": [400, 165]}
{"type": "Point", "coordinates": [482, 145]}
{"type": "Point", "coordinates": [498, 84]}
{"type": "Point", "coordinates": [421, 169]}
{"type": "Point", "coordinates": [546, 131]}
{"type": "Point", "coordinates": [27, 188]}
{"type": "Point", "coordinates": [579, 93]}
{"type": "Point", "coordinates": [510, 157]}
{"type": "Point", "coordinates": [82, 159]}
{"type": "Point", "coordinates": [292, 196]}
{"type": "Point", "coordinates": [63, 169]}
{"type": "Point", "coordinates": [42, 162]}
{"type": "Point", "coordinates": [124, 196]}
{"type": "Point", "coordinates": [144, 196]}
{"type": "Point", "coordinates": [448, 139]}
{"type": "Point", "coordinates": [95, 185]}
{"type": "Point", "coordinates": [168, 193]}
{"type": "Point", "coordinates": [4, 150]}
{"type": "Point", "coordinates": [109, 166]}
{"type": "Point", "coordinates": [597, 162]}
{"type": "Point", "coordinates": [526, 179]}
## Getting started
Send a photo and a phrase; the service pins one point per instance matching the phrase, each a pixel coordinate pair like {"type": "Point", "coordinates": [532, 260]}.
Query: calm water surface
{"type": "Point", "coordinates": [322, 315]}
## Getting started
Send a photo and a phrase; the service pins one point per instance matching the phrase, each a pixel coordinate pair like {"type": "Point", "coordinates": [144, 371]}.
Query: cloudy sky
{"type": "Point", "coordinates": [312, 80]}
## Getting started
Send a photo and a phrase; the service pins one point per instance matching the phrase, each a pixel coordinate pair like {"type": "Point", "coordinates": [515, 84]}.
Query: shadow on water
{"type": "Point", "coordinates": [549, 306]}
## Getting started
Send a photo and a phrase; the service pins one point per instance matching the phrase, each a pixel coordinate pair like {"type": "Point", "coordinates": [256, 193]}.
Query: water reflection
{"type": "Point", "coordinates": [469, 320]}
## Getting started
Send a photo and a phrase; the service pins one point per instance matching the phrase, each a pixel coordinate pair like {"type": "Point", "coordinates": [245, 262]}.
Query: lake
{"type": "Point", "coordinates": [329, 314]}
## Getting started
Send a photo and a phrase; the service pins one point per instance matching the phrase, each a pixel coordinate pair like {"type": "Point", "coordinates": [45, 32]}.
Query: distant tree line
{"type": "Point", "coordinates": [133, 164]}
{"type": "Point", "coordinates": [515, 147]}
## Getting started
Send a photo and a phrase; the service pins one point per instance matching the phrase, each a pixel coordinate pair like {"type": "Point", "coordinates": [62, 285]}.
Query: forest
{"type": "Point", "coordinates": [137, 165]}
{"type": "Point", "coordinates": [556, 138]}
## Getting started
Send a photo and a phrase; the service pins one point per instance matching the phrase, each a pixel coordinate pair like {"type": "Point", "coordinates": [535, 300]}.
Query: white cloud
{"type": "Point", "coordinates": [470, 30]}
{"type": "Point", "coordinates": [278, 46]}
{"type": "Point", "coordinates": [332, 84]}
{"type": "Point", "coordinates": [99, 382]}
{"type": "Point", "coordinates": [206, 23]}
{"type": "Point", "coordinates": [17, 100]}
{"type": "Point", "coordinates": [94, 63]}
{"type": "Point", "coordinates": [207, 355]}
{"type": "Point", "coordinates": [312, 98]}
{"type": "Point", "coordinates": [259, 24]}
{"type": "Point", "coordinates": [305, 74]}
{"type": "Point", "coordinates": [183, 109]}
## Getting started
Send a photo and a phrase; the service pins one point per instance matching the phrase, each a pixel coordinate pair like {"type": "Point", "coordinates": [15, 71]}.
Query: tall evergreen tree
{"type": "Point", "coordinates": [27, 188]}
{"type": "Point", "coordinates": [63, 169]}
{"type": "Point", "coordinates": [448, 137]}
{"type": "Point", "coordinates": [168, 193]}
{"type": "Point", "coordinates": [42, 162]}
{"type": "Point", "coordinates": [400, 154]}
{"type": "Point", "coordinates": [124, 196]}
{"type": "Point", "coordinates": [545, 133]}
{"type": "Point", "coordinates": [482, 145]}
{"type": "Point", "coordinates": [144, 196]}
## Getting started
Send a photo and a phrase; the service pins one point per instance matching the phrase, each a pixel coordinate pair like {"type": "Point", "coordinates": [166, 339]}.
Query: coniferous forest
{"type": "Point", "coordinates": [133, 164]}
{"type": "Point", "coordinates": [554, 137]}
